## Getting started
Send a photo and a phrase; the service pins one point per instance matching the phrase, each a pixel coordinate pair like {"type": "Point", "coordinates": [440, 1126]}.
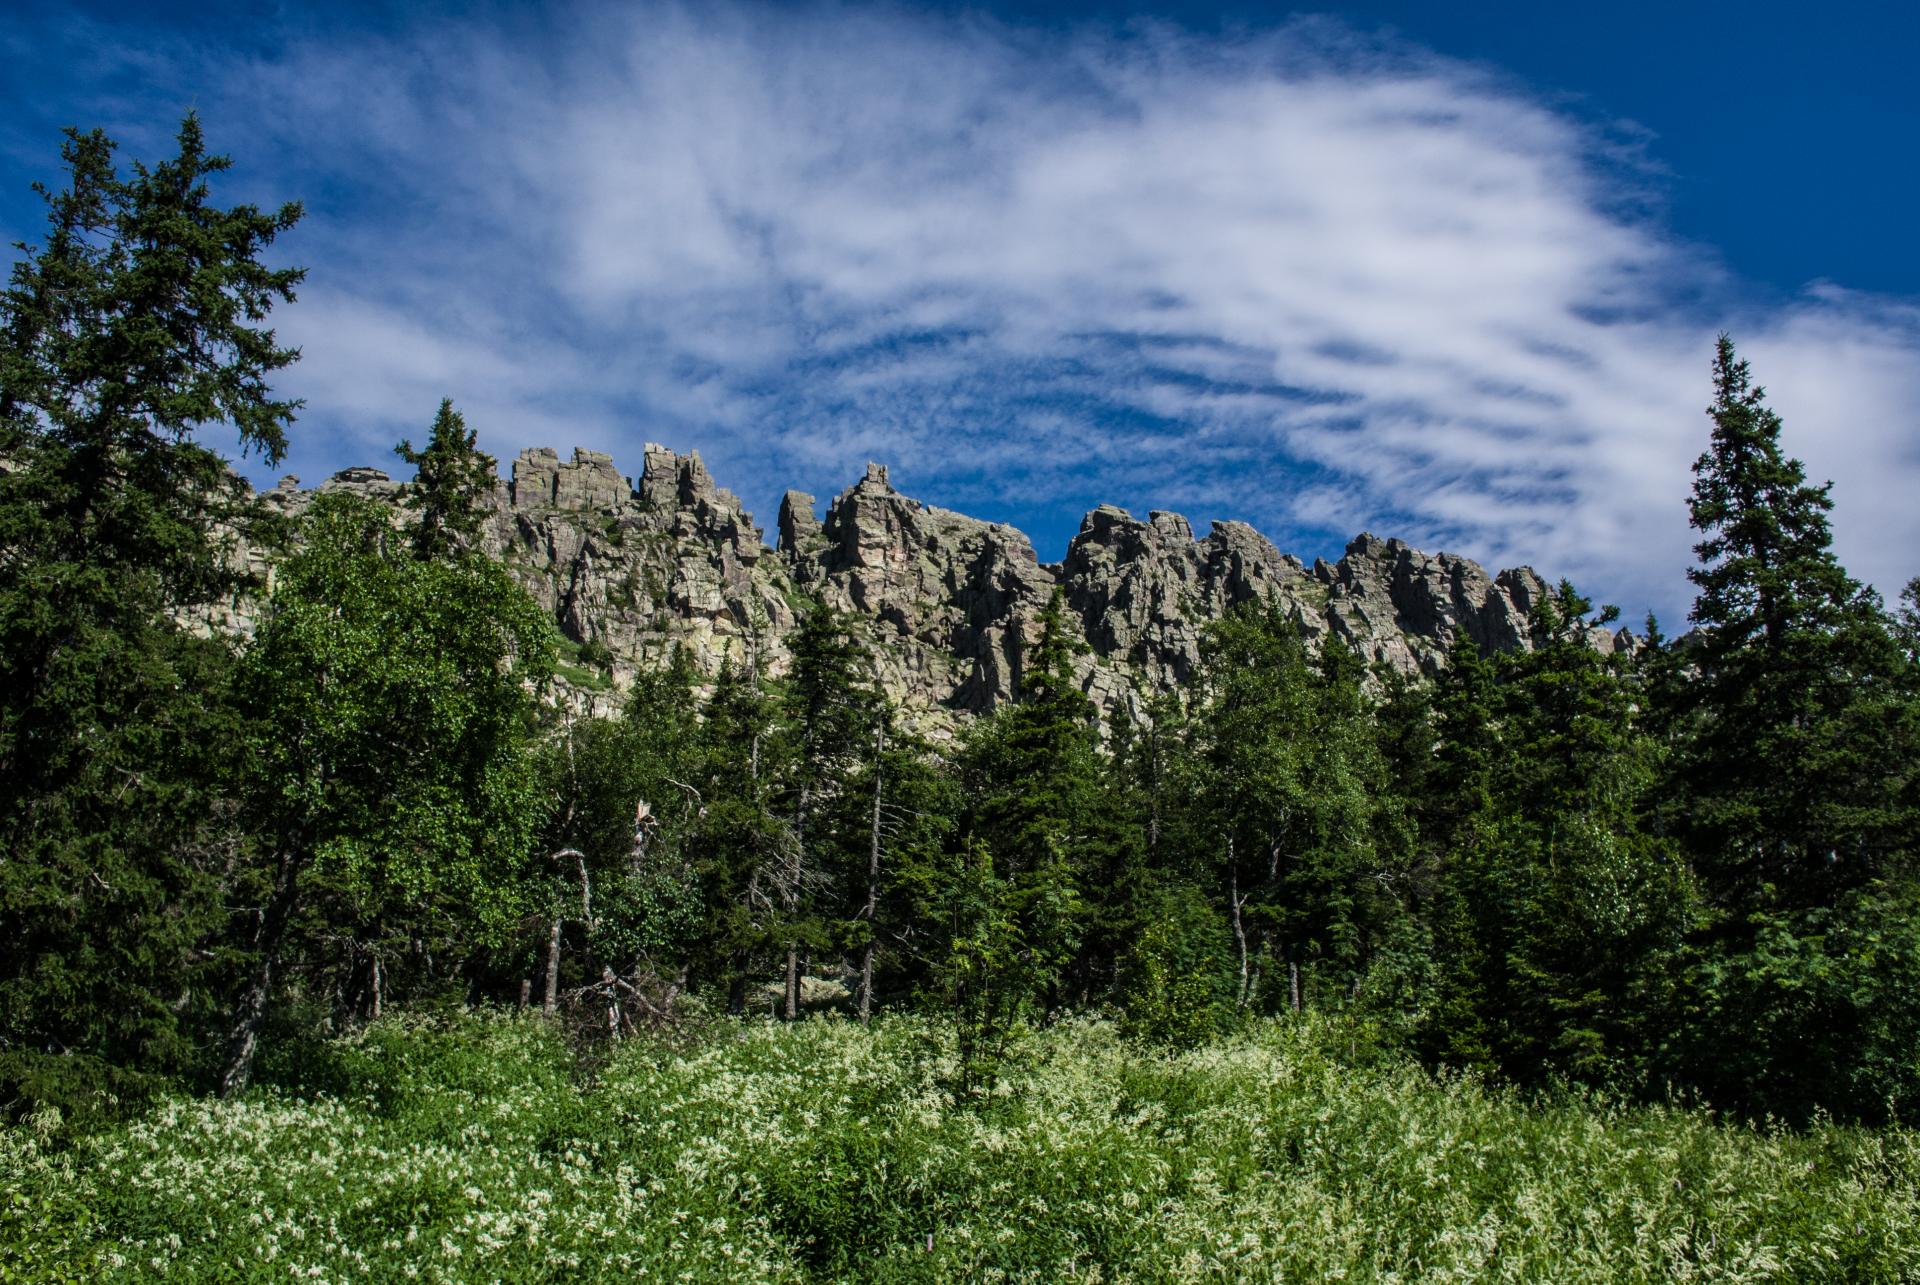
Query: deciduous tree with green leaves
{"type": "Point", "coordinates": [390, 701]}
{"type": "Point", "coordinates": [621, 899]}
{"type": "Point", "coordinates": [1292, 777]}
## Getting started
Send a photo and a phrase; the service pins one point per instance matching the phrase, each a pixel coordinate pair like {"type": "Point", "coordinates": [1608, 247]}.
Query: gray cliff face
{"type": "Point", "coordinates": [949, 603]}
{"type": "Point", "coordinates": [642, 568]}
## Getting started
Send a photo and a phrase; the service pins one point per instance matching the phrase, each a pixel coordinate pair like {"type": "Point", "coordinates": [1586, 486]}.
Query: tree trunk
{"type": "Point", "coordinates": [1153, 794]}
{"type": "Point", "coordinates": [791, 902]}
{"type": "Point", "coordinates": [871, 911]}
{"type": "Point", "coordinates": [551, 1003]}
{"type": "Point", "coordinates": [586, 885]}
{"type": "Point", "coordinates": [1293, 985]}
{"type": "Point", "coordinates": [250, 1012]}
{"type": "Point", "coordinates": [1236, 901]}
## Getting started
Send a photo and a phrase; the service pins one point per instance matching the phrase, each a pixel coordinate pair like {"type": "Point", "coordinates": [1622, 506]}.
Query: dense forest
{"type": "Point", "coordinates": [1688, 867]}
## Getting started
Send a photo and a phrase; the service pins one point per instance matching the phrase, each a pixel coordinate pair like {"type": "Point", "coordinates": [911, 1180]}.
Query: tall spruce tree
{"type": "Point", "coordinates": [833, 714]}
{"type": "Point", "coordinates": [1798, 732]}
{"type": "Point", "coordinates": [1033, 774]}
{"type": "Point", "coordinates": [133, 327]}
{"type": "Point", "coordinates": [1585, 909]}
{"type": "Point", "coordinates": [1453, 803]}
{"type": "Point", "coordinates": [1797, 708]}
{"type": "Point", "coordinates": [744, 841]}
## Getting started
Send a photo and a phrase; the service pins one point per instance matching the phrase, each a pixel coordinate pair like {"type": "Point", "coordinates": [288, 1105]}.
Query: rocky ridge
{"type": "Point", "coordinates": [632, 568]}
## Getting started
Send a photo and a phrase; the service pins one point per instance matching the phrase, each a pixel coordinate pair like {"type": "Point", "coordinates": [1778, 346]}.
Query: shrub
{"type": "Point", "coordinates": [825, 1150]}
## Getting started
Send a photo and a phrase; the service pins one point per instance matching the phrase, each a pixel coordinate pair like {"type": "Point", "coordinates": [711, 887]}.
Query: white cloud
{"type": "Point", "coordinates": [1296, 279]}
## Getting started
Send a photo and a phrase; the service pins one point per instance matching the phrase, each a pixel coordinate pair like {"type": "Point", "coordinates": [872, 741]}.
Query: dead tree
{"type": "Point", "coordinates": [871, 910]}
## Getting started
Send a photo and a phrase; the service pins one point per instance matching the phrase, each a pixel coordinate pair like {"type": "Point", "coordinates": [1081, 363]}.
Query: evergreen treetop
{"type": "Point", "coordinates": [452, 481]}
{"type": "Point", "coordinates": [1766, 567]}
{"type": "Point", "coordinates": [1795, 714]}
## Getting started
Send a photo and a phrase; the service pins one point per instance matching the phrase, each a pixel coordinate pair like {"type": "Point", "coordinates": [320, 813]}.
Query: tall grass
{"type": "Point", "coordinates": [468, 1150]}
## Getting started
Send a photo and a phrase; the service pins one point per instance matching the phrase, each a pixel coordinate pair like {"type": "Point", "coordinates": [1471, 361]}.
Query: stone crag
{"type": "Point", "coordinates": [632, 569]}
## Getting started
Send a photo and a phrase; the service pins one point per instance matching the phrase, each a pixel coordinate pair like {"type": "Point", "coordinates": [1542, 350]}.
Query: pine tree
{"type": "Point", "coordinates": [1793, 720]}
{"type": "Point", "coordinates": [1797, 736]}
{"type": "Point", "coordinates": [132, 327]}
{"type": "Point", "coordinates": [833, 714]}
{"type": "Point", "coordinates": [451, 488]}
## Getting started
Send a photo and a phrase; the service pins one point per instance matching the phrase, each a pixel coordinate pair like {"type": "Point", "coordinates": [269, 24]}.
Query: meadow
{"type": "Point", "coordinates": [478, 1147]}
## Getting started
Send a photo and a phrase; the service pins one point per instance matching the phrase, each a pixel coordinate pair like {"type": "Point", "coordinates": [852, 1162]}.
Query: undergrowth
{"type": "Point", "coordinates": [471, 1149]}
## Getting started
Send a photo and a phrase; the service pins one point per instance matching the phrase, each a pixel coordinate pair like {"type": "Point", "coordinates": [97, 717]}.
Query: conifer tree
{"type": "Point", "coordinates": [833, 714]}
{"type": "Point", "coordinates": [1038, 776]}
{"type": "Point", "coordinates": [744, 843]}
{"type": "Point", "coordinates": [1796, 709]}
{"type": "Point", "coordinates": [452, 484]}
{"type": "Point", "coordinates": [133, 326]}
{"type": "Point", "coordinates": [1586, 909]}
{"type": "Point", "coordinates": [1158, 919]}
{"type": "Point", "coordinates": [1797, 734]}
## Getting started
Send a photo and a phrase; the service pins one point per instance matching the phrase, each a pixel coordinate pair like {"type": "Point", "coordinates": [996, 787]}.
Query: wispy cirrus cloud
{"type": "Point", "coordinates": [1297, 277]}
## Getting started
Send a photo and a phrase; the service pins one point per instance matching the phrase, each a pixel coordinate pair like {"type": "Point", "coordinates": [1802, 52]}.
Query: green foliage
{"type": "Point", "coordinates": [617, 799]}
{"type": "Point", "coordinates": [1686, 864]}
{"type": "Point", "coordinates": [131, 327]}
{"type": "Point", "coordinates": [1797, 737]}
{"type": "Point", "coordinates": [1801, 713]}
{"type": "Point", "coordinates": [833, 715]}
{"type": "Point", "coordinates": [1292, 787]}
{"type": "Point", "coordinates": [1603, 904]}
{"type": "Point", "coordinates": [452, 486]}
{"type": "Point", "coordinates": [1176, 983]}
{"type": "Point", "coordinates": [984, 963]}
{"type": "Point", "coordinates": [597, 654]}
{"type": "Point", "coordinates": [1035, 835]}
{"type": "Point", "coordinates": [389, 703]}
{"type": "Point", "coordinates": [831, 1151]}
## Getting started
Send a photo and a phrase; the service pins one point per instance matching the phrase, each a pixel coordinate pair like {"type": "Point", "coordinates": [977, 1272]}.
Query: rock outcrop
{"type": "Point", "coordinates": [632, 569]}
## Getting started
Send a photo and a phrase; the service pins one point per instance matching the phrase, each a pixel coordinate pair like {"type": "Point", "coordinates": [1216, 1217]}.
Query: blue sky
{"type": "Point", "coordinates": [1450, 272]}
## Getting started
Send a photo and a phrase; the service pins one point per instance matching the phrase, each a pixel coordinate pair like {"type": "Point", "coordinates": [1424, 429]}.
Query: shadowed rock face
{"type": "Point", "coordinates": [949, 603]}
